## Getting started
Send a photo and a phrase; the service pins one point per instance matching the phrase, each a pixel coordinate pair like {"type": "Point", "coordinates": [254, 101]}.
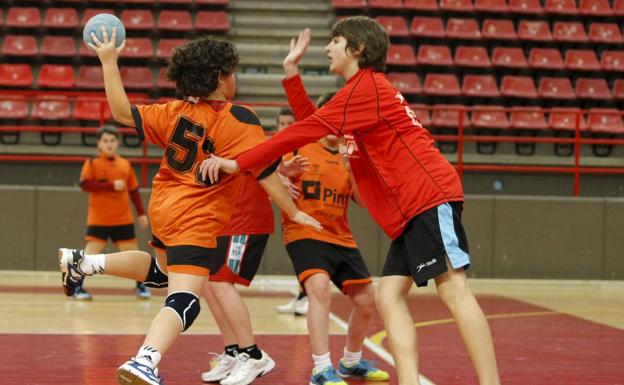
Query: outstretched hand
{"type": "Point", "coordinates": [298, 48]}
{"type": "Point", "coordinates": [294, 167]}
{"type": "Point", "coordinates": [210, 167]}
{"type": "Point", "coordinates": [105, 49]}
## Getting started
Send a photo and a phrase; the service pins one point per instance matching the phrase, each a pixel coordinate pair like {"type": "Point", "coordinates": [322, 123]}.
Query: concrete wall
{"type": "Point", "coordinates": [509, 236]}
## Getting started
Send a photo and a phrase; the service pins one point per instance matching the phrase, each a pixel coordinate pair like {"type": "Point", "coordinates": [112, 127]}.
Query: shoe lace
{"type": "Point", "coordinates": [330, 374]}
{"type": "Point", "coordinates": [241, 368]}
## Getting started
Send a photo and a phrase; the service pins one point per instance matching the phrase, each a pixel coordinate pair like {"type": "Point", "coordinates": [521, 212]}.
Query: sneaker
{"type": "Point", "coordinates": [223, 366]}
{"type": "Point", "coordinates": [71, 275]}
{"type": "Point", "coordinates": [142, 291]}
{"type": "Point", "coordinates": [82, 295]}
{"type": "Point", "coordinates": [301, 306]}
{"type": "Point", "coordinates": [248, 369]}
{"type": "Point", "coordinates": [291, 306]}
{"type": "Point", "coordinates": [363, 370]}
{"type": "Point", "coordinates": [327, 376]}
{"type": "Point", "coordinates": [134, 373]}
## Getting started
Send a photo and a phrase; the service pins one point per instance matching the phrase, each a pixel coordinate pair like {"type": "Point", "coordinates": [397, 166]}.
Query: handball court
{"type": "Point", "coordinates": [545, 332]}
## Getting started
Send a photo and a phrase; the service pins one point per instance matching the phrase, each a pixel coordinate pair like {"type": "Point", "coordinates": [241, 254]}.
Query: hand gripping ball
{"type": "Point", "coordinates": [108, 21]}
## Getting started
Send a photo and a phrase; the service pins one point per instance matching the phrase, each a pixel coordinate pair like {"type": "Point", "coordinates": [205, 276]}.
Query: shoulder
{"type": "Point", "coordinates": [244, 115]}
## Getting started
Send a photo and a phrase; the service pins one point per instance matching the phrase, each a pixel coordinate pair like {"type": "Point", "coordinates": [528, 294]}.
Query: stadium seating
{"type": "Point", "coordinates": [394, 25]}
{"type": "Point", "coordinates": [556, 88]}
{"type": "Point", "coordinates": [406, 83]}
{"type": "Point", "coordinates": [434, 55]}
{"type": "Point", "coordinates": [524, 118]}
{"type": "Point", "coordinates": [441, 85]}
{"type": "Point", "coordinates": [509, 58]}
{"type": "Point", "coordinates": [595, 8]}
{"type": "Point", "coordinates": [480, 86]}
{"type": "Point", "coordinates": [19, 45]}
{"type": "Point", "coordinates": [518, 87]}
{"type": "Point", "coordinates": [564, 119]}
{"type": "Point", "coordinates": [526, 6]}
{"type": "Point", "coordinates": [23, 17]}
{"type": "Point", "coordinates": [499, 29]}
{"type": "Point", "coordinates": [546, 58]}
{"type": "Point", "coordinates": [476, 57]}
{"type": "Point", "coordinates": [589, 88]}
{"type": "Point", "coordinates": [16, 75]}
{"type": "Point", "coordinates": [91, 110]}
{"type": "Point", "coordinates": [420, 5]}
{"type": "Point", "coordinates": [466, 29]}
{"type": "Point", "coordinates": [431, 27]}
{"type": "Point", "coordinates": [489, 117]}
{"type": "Point", "coordinates": [166, 46]}
{"type": "Point", "coordinates": [61, 18]}
{"type": "Point", "coordinates": [169, 20]}
{"type": "Point", "coordinates": [612, 60]}
{"type": "Point", "coordinates": [605, 120]}
{"type": "Point", "coordinates": [217, 21]}
{"type": "Point", "coordinates": [51, 108]}
{"type": "Point", "coordinates": [56, 76]}
{"type": "Point", "coordinates": [561, 7]}
{"type": "Point", "coordinates": [137, 19]}
{"type": "Point", "coordinates": [423, 114]}
{"type": "Point", "coordinates": [491, 6]}
{"type": "Point", "coordinates": [63, 46]}
{"type": "Point", "coordinates": [138, 48]}
{"type": "Point", "coordinates": [90, 77]}
{"type": "Point", "coordinates": [14, 108]}
{"type": "Point", "coordinates": [401, 55]}
{"type": "Point", "coordinates": [569, 31]}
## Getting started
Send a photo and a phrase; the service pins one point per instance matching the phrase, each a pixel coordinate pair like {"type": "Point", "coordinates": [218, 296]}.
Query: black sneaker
{"type": "Point", "coordinates": [71, 275]}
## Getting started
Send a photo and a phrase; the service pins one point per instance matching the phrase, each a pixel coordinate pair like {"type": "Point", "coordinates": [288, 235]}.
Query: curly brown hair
{"type": "Point", "coordinates": [195, 66]}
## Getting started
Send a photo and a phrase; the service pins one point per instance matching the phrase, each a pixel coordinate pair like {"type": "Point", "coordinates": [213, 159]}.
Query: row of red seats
{"type": "Point", "coordinates": [88, 77]}
{"type": "Point", "coordinates": [133, 19]}
{"type": "Point", "coordinates": [557, 88]}
{"type": "Point", "coordinates": [558, 7]}
{"type": "Point", "coordinates": [53, 108]}
{"type": "Point", "coordinates": [150, 2]}
{"type": "Point", "coordinates": [506, 57]}
{"type": "Point", "coordinates": [502, 29]}
{"type": "Point", "coordinates": [65, 46]}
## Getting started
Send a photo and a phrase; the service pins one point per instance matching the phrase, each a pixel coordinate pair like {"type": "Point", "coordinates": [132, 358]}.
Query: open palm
{"type": "Point", "coordinates": [298, 47]}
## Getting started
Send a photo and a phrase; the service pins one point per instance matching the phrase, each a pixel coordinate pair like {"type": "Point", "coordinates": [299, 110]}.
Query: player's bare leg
{"type": "Point", "coordinates": [455, 292]}
{"type": "Point", "coordinates": [319, 294]}
{"type": "Point", "coordinates": [392, 304]}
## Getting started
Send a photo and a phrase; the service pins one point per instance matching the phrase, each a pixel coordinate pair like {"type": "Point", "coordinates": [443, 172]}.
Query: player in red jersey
{"type": "Point", "coordinates": [409, 188]}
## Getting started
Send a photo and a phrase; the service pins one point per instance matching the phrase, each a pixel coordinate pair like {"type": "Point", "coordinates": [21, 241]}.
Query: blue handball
{"type": "Point", "coordinates": [98, 21]}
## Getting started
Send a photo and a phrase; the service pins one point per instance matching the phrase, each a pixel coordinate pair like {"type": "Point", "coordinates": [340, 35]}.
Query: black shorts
{"type": "Point", "coordinates": [344, 265]}
{"type": "Point", "coordinates": [188, 259]}
{"type": "Point", "coordinates": [123, 233]}
{"type": "Point", "coordinates": [240, 257]}
{"type": "Point", "coordinates": [421, 250]}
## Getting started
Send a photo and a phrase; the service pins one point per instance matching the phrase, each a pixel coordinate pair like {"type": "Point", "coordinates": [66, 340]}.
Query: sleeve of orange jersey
{"type": "Point", "coordinates": [152, 122]}
{"type": "Point", "coordinates": [298, 98]}
{"type": "Point", "coordinates": [87, 171]}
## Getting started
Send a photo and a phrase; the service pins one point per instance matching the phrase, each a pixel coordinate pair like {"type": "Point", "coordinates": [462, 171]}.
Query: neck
{"type": "Point", "coordinates": [216, 95]}
{"type": "Point", "coordinates": [351, 70]}
{"type": "Point", "coordinates": [329, 145]}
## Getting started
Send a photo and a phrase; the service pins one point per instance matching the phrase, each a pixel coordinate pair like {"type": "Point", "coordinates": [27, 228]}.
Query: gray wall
{"type": "Point", "coordinates": [509, 236]}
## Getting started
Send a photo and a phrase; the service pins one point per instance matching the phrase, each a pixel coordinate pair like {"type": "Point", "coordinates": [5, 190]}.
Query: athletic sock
{"type": "Point", "coordinates": [230, 350]}
{"type": "Point", "coordinates": [321, 362]}
{"type": "Point", "coordinates": [253, 352]}
{"type": "Point", "coordinates": [92, 264]}
{"type": "Point", "coordinates": [351, 358]}
{"type": "Point", "coordinates": [148, 356]}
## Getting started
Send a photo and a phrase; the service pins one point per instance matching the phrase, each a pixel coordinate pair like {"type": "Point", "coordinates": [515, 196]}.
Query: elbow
{"type": "Point", "coordinates": [124, 119]}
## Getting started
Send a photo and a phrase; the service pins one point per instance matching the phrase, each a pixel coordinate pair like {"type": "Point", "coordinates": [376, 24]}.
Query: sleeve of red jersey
{"type": "Point", "coordinates": [298, 98]}
{"type": "Point", "coordinates": [152, 122]}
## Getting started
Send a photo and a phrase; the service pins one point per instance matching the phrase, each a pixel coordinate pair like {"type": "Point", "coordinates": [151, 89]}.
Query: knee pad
{"type": "Point", "coordinates": [186, 305]}
{"type": "Point", "coordinates": [156, 277]}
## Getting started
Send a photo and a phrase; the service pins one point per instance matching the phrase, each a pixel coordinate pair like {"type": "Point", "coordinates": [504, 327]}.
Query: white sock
{"type": "Point", "coordinates": [321, 362]}
{"type": "Point", "coordinates": [93, 264]}
{"type": "Point", "coordinates": [351, 358]}
{"type": "Point", "coordinates": [148, 356]}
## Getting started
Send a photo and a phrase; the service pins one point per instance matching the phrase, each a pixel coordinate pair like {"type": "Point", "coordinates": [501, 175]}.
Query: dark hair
{"type": "Point", "coordinates": [195, 66]}
{"type": "Point", "coordinates": [326, 97]}
{"type": "Point", "coordinates": [285, 111]}
{"type": "Point", "coordinates": [111, 130]}
{"type": "Point", "coordinates": [365, 32]}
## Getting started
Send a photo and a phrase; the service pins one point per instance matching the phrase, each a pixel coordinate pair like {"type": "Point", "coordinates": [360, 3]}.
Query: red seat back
{"type": "Point", "coordinates": [590, 88]}
{"type": "Point", "coordinates": [556, 88]}
{"type": "Point", "coordinates": [509, 57]}
{"type": "Point", "coordinates": [499, 29]}
{"type": "Point", "coordinates": [406, 83]}
{"type": "Point", "coordinates": [23, 17]}
{"type": "Point", "coordinates": [606, 120]}
{"type": "Point", "coordinates": [441, 84]}
{"type": "Point", "coordinates": [16, 75]}
{"type": "Point", "coordinates": [480, 86]}
{"type": "Point", "coordinates": [463, 29]}
{"type": "Point", "coordinates": [489, 117]}
{"type": "Point", "coordinates": [401, 55]}
{"type": "Point", "coordinates": [518, 87]}
{"type": "Point", "coordinates": [64, 46]}
{"type": "Point", "coordinates": [61, 18]}
{"type": "Point", "coordinates": [212, 21]}
{"type": "Point", "coordinates": [169, 20]}
{"type": "Point", "coordinates": [528, 118]}
{"type": "Point", "coordinates": [569, 31]}
{"type": "Point", "coordinates": [19, 45]}
{"type": "Point", "coordinates": [466, 56]}
{"type": "Point", "coordinates": [427, 27]}
{"type": "Point", "coordinates": [546, 58]}
{"type": "Point", "coordinates": [562, 118]}
{"type": "Point", "coordinates": [533, 30]}
{"type": "Point", "coordinates": [582, 59]}
{"type": "Point", "coordinates": [434, 55]}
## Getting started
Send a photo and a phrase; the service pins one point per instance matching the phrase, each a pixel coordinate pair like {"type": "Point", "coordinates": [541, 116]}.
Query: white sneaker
{"type": "Point", "coordinates": [247, 369]}
{"type": "Point", "coordinates": [301, 306]}
{"type": "Point", "coordinates": [223, 366]}
{"type": "Point", "coordinates": [291, 307]}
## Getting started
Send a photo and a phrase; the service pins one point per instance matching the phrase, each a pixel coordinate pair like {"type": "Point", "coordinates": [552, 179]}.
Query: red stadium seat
{"type": "Point", "coordinates": [532, 30]}
{"type": "Point", "coordinates": [16, 75]}
{"type": "Point", "coordinates": [528, 118]}
{"type": "Point", "coordinates": [509, 57]}
{"type": "Point", "coordinates": [434, 55]}
{"type": "Point", "coordinates": [184, 2]}
{"type": "Point", "coordinates": [495, 29]}
{"type": "Point", "coordinates": [349, 4]}
{"type": "Point", "coordinates": [56, 76]}
{"type": "Point", "coordinates": [480, 86]}
{"type": "Point", "coordinates": [494, 6]}
{"type": "Point", "coordinates": [546, 58]}
{"type": "Point", "coordinates": [582, 60]}
{"type": "Point", "coordinates": [564, 119]}
{"type": "Point", "coordinates": [19, 45]}
{"type": "Point", "coordinates": [138, 48]}
{"type": "Point", "coordinates": [163, 82]}
{"type": "Point", "coordinates": [394, 25]}
{"type": "Point", "coordinates": [518, 87]}
{"type": "Point", "coordinates": [491, 117]}
{"type": "Point", "coordinates": [556, 88]}
{"type": "Point", "coordinates": [618, 7]}
{"type": "Point", "coordinates": [213, 2]}
{"type": "Point", "coordinates": [605, 33]}
{"type": "Point", "coordinates": [61, 18]}
{"type": "Point", "coordinates": [406, 83]}
{"type": "Point", "coordinates": [421, 5]}
{"type": "Point", "coordinates": [85, 51]}
{"type": "Point", "coordinates": [612, 60]}
{"type": "Point", "coordinates": [14, 108]}
{"type": "Point", "coordinates": [441, 85]}
{"type": "Point", "coordinates": [137, 77]}
{"type": "Point", "coordinates": [462, 29]}
{"type": "Point", "coordinates": [447, 116]}
{"type": "Point", "coordinates": [385, 4]}
{"type": "Point", "coordinates": [212, 21]}
{"type": "Point", "coordinates": [606, 120]}
{"type": "Point", "coordinates": [427, 27]}
{"type": "Point", "coordinates": [90, 12]}
{"type": "Point", "coordinates": [422, 114]}
{"type": "Point", "coordinates": [58, 46]}
{"type": "Point", "coordinates": [477, 57]}
{"type": "Point", "coordinates": [90, 77]}
{"type": "Point", "coordinates": [561, 7]}
{"type": "Point", "coordinates": [569, 31]}
{"type": "Point", "coordinates": [618, 89]}
{"type": "Point", "coordinates": [595, 8]}
{"type": "Point", "coordinates": [401, 55]}
{"type": "Point", "coordinates": [456, 5]}
{"type": "Point", "coordinates": [92, 110]}
{"type": "Point", "coordinates": [526, 6]}
{"type": "Point", "coordinates": [51, 108]}
{"type": "Point", "coordinates": [589, 88]}
{"type": "Point", "coordinates": [175, 21]}
{"type": "Point", "coordinates": [137, 19]}
{"type": "Point", "coordinates": [23, 17]}
{"type": "Point", "coordinates": [166, 46]}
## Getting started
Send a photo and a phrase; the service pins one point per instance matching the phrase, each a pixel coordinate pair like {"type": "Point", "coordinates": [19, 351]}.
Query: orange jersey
{"type": "Point", "coordinates": [109, 208]}
{"type": "Point", "coordinates": [185, 210]}
{"type": "Point", "coordinates": [325, 195]}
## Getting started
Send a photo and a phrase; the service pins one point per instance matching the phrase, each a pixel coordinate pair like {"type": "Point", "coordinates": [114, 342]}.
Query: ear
{"type": "Point", "coordinates": [359, 51]}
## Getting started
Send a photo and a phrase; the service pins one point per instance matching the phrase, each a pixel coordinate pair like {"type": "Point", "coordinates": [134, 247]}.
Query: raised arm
{"type": "Point", "coordinates": [296, 93]}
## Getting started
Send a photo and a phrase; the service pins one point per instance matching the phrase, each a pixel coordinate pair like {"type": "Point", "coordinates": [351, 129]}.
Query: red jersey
{"type": "Point", "coordinates": [399, 171]}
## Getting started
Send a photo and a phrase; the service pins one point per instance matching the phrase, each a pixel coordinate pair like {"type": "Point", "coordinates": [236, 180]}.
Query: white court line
{"type": "Point", "coordinates": [380, 351]}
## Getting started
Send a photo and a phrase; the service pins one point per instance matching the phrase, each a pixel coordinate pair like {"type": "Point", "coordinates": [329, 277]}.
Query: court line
{"type": "Point", "coordinates": [375, 348]}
